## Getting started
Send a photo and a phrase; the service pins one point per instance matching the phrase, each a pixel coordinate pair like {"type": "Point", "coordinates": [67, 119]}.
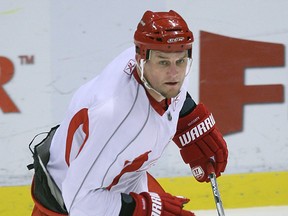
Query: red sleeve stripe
{"type": "Point", "coordinates": [130, 167]}
{"type": "Point", "coordinates": [80, 118]}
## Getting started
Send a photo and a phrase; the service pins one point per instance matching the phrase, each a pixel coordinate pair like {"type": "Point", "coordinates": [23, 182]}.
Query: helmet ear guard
{"type": "Point", "coordinates": [163, 31]}
{"type": "Point", "coordinates": [143, 52]}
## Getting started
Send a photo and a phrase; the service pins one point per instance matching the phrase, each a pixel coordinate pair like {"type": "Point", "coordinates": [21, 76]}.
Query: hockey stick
{"type": "Point", "coordinates": [216, 193]}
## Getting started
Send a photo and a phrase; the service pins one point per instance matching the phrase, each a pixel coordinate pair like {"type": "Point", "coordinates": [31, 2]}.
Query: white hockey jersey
{"type": "Point", "coordinates": [112, 134]}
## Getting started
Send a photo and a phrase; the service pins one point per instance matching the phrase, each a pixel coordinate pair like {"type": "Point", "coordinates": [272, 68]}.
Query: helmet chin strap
{"type": "Point", "coordinates": [145, 82]}
{"type": "Point", "coordinates": [188, 67]}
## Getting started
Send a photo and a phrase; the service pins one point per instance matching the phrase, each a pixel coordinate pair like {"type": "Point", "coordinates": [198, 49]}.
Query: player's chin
{"type": "Point", "coordinates": [171, 93]}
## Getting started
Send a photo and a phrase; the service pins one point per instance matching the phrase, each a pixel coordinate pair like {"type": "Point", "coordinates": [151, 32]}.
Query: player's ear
{"type": "Point", "coordinates": [137, 58]}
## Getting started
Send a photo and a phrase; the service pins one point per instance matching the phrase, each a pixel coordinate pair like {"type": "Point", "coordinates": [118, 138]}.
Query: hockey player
{"type": "Point", "coordinates": [118, 125]}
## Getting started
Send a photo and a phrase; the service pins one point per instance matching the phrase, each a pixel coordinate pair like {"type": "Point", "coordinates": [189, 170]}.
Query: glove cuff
{"type": "Point", "coordinates": [194, 126]}
{"type": "Point", "coordinates": [141, 205]}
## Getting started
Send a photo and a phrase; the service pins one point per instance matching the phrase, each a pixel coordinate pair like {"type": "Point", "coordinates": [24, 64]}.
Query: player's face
{"type": "Point", "coordinates": [165, 72]}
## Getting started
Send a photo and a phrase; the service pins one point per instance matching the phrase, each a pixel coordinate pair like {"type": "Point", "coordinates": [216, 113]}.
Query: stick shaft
{"type": "Point", "coordinates": [216, 194]}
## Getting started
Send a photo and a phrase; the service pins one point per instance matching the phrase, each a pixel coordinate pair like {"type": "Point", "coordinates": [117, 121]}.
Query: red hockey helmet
{"type": "Point", "coordinates": [164, 31]}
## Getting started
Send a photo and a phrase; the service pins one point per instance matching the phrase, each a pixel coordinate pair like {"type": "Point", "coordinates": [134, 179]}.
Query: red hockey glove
{"type": "Point", "coordinates": [201, 143]}
{"type": "Point", "coordinates": [148, 204]}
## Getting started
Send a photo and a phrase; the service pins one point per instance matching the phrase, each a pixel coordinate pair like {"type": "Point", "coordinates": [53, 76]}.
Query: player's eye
{"type": "Point", "coordinates": [164, 63]}
{"type": "Point", "coordinates": [180, 61]}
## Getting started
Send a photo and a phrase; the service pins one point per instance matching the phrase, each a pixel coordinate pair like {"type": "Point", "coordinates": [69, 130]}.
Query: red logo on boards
{"type": "Point", "coordinates": [223, 61]}
{"type": "Point", "coordinates": [6, 73]}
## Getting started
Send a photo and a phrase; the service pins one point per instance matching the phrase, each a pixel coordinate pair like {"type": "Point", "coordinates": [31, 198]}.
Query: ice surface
{"type": "Point", "coordinates": [256, 211]}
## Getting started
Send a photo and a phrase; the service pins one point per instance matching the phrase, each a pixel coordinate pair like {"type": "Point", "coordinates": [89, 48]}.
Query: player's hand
{"type": "Point", "coordinates": [150, 203]}
{"type": "Point", "coordinates": [201, 143]}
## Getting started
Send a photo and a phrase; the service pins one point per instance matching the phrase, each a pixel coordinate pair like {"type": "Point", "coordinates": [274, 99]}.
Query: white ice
{"type": "Point", "coordinates": [256, 211]}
